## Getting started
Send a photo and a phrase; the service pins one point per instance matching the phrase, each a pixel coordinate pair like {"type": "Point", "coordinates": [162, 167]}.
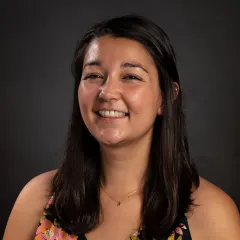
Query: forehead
{"type": "Point", "coordinates": [111, 50]}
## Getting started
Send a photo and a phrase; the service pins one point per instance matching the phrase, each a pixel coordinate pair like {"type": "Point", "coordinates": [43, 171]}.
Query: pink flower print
{"type": "Point", "coordinates": [182, 226]}
{"type": "Point", "coordinates": [179, 229]}
{"type": "Point", "coordinates": [50, 202]}
{"type": "Point", "coordinates": [46, 231]}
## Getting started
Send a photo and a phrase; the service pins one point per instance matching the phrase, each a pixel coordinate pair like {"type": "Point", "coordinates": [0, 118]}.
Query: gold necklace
{"type": "Point", "coordinates": [117, 201]}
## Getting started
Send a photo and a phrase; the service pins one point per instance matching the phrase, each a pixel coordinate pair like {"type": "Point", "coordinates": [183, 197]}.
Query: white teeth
{"type": "Point", "coordinates": [111, 113]}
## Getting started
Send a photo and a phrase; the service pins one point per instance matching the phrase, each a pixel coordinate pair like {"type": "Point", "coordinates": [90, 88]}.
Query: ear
{"type": "Point", "coordinates": [160, 110]}
{"type": "Point", "coordinates": [161, 105]}
{"type": "Point", "coordinates": [176, 88]}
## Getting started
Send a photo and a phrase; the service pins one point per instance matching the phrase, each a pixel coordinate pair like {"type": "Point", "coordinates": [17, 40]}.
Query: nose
{"type": "Point", "coordinates": [110, 90]}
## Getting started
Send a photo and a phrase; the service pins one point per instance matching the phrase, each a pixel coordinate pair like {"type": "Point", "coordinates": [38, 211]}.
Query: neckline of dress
{"type": "Point", "coordinates": [135, 234]}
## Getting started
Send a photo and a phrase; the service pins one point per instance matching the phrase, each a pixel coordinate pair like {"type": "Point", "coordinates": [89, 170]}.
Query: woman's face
{"type": "Point", "coordinates": [119, 93]}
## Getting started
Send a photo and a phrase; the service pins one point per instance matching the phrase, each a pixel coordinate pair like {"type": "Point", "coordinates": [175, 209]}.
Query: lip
{"type": "Point", "coordinates": [110, 119]}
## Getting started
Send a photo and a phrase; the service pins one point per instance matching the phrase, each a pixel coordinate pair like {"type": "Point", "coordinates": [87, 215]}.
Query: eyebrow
{"type": "Point", "coordinates": [92, 63]}
{"type": "Point", "coordinates": [123, 65]}
{"type": "Point", "coordinates": [133, 65]}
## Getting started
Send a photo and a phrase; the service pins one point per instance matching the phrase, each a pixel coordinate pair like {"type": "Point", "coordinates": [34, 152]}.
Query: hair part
{"type": "Point", "coordinates": [171, 173]}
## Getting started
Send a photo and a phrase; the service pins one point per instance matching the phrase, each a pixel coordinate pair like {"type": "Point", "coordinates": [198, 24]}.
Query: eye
{"type": "Point", "coordinates": [92, 76]}
{"type": "Point", "coordinates": [132, 77]}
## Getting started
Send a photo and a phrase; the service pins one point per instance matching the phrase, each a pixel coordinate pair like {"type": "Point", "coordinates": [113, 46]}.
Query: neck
{"type": "Point", "coordinates": [124, 168]}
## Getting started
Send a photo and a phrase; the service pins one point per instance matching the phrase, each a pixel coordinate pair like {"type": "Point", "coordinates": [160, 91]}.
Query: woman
{"type": "Point", "coordinates": [127, 171]}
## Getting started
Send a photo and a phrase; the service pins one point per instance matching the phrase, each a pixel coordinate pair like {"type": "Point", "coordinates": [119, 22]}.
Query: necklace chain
{"type": "Point", "coordinates": [117, 201]}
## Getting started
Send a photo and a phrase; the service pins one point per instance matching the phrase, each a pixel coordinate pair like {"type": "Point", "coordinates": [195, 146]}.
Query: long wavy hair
{"type": "Point", "coordinates": [171, 173]}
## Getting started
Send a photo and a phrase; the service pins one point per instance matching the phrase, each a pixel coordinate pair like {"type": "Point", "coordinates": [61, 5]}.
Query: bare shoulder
{"type": "Point", "coordinates": [28, 208]}
{"type": "Point", "coordinates": [215, 215]}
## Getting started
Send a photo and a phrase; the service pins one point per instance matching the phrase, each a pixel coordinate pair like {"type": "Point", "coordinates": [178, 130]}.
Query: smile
{"type": "Point", "coordinates": [111, 114]}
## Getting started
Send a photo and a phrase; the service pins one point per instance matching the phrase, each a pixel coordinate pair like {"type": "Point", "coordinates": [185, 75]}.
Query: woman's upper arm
{"type": "Point", "coordinates": [28, 208]}
{"type": "Point", "coordinates": [226, 220]}
{"type": "Point", "coordinates": [215, 216]}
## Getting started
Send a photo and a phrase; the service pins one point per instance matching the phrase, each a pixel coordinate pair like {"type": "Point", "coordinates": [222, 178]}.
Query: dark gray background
{"type": "Point", "coordinates": [37, 43]}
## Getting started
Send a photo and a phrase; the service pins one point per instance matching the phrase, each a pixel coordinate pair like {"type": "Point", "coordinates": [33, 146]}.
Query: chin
{"type": "Point", "coordinates": [110, 141]}
{"type": "Point", "coordinates": [109, 137]}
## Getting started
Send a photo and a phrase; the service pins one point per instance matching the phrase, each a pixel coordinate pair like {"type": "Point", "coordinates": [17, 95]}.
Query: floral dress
{"type": "Point", "coordinates": [49, 229]}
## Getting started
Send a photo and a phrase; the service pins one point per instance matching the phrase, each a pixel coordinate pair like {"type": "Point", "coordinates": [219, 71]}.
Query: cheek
{"type": "Point", "coordinates": [86, 96]}
{"type": "Point", "coordinates": [143, 100]}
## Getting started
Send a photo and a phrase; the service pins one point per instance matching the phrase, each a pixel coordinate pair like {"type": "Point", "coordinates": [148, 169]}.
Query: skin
{"type": "Point", "coordinates": [127, 89]}
{"type": "Point", "coordinates": [125, 145]}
